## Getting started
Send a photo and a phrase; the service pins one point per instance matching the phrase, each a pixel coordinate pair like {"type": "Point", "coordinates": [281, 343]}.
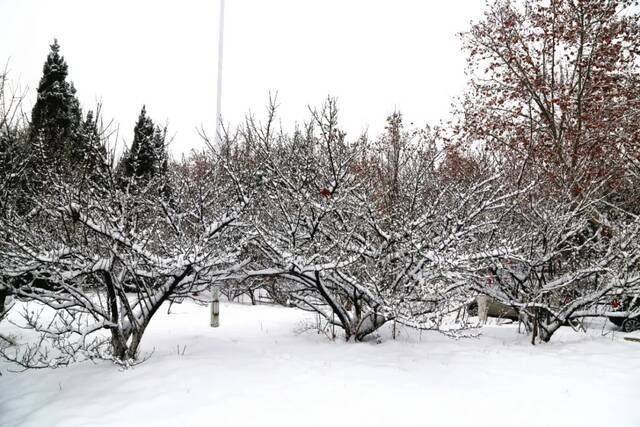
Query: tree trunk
{"type": "Point", "coordinates": [541, 327]}
{"type": "Point", "coordinates": [371, 323]}
{"type": "Point", "coordinates": [4, 293]}
{"type": "Point", "coordinates": [118, 345]}
{"type": "Point", "coordinates": [547, 329]}
{"type": "Point", "coordinates": [534, 329]}
{"type": "Point", "coordinates": [132, 351]}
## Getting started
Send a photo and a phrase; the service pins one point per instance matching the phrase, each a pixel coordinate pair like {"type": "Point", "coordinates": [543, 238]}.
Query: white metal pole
{"type": "Point", "coordinates": [215, 292]}
{"type": "Point", "coordinates": [219, 89]}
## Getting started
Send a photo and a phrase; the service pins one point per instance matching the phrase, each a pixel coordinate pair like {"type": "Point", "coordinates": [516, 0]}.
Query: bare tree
{"type": "Point", "coordinates": [365, 233]}
{"type": "Point", "coordinates": [14, 157]}
{"type": "Point", "coordinates": [307, 225]}
{"type": "Point", "coordinates": [569, 260]}
{"type": "Point", "coordinates": [99, 262]}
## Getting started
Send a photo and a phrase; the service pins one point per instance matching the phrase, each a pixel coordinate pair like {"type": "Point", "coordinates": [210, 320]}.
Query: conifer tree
{"type": "Point", "coordinates": [147, 157]}
{"type": "Point", "coordinates": [161, 157]}
{"type": "Point", "coordinates": [56, 117]}
{"type": "Point", "coordinates": [95, 157]}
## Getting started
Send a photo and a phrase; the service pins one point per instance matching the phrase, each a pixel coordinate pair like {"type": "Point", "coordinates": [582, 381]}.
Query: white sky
{"type": "Point", "coordinates": [374, 56]}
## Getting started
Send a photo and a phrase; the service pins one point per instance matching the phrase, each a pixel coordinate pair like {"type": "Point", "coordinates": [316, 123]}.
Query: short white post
{"type": "Point", "coordinates": [215, 307]}
{"type": "Point", "coordinates": [483, 308]}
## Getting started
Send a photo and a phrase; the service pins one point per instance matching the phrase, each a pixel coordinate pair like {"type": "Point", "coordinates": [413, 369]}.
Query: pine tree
{"type": "Point", "coordinates": [95, 157]}
{"type": "Point", "coordinates": [161, 158]}
{"type": "Point", "coordinates": [56, 117]}
{"type": "Point", "coordinates": [148, 156]}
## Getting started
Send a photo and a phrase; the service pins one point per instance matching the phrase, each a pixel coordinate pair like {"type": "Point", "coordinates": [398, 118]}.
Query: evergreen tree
{"type": "Point", "coordinates": [95, 157]}
{"type": "Point", "coordinates": [56, 117]}
{"type": "Point", "coordinates": [148, 156]}
{"type": "Point", "coordinates": [161, 157]}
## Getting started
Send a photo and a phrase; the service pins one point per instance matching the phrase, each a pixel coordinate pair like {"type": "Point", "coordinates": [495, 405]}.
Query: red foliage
{"type": "Point", "coordinates": [556, 83]}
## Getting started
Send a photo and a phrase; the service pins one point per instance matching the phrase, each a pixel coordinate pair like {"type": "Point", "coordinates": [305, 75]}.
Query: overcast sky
{"type": "Point", "coordinates": [374, 56]}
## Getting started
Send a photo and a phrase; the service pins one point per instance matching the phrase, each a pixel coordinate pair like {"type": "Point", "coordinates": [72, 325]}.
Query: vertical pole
{"type": "Point", "coordinates": [215, 307]}
{"type": "Point", "coordinates": [219, 89]}
{"type": "Point", "coordinates": [215, 292]}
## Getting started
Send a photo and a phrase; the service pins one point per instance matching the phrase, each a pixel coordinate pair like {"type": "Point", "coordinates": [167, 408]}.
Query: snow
{"type": "Point", "coordinates": [261, 368]}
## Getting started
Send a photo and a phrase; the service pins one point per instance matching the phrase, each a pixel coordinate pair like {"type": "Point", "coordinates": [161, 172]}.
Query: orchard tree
{"type": "Point", "coordinates": [110, 259]}
{"type": "Point", "coordinates": [307, 224]}
{"type": "Point", "coordinates": [562, 265]}
{"type": "Point", "coordinates": [446, 224]}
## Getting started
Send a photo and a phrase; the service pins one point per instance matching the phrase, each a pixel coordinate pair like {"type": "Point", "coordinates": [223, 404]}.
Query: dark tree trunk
{"type": "Point", "coordinates": [132, 352]}
{"type": "Point", "coordinates": [4, 293]}
{"type": "Point", "coordinates": [540, 325]}
{"type": "Point", "coordinates": [118, 345]}
{"type": "Point", "coordinates": [371, 323]}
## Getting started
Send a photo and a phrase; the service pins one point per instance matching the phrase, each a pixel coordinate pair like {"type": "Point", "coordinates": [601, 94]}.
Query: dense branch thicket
{"type": "Point", "coordinates": [530, 197]}
{"type": "Point", "coordinates": [105, 259]}
{"type": "Point", "coordinates": [555, 92]}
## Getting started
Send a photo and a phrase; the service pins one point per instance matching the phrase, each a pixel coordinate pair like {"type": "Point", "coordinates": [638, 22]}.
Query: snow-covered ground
{"type": "Point", "coordinates": [259, 369]}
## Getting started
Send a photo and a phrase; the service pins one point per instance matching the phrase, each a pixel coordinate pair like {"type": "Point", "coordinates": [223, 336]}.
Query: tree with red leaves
{"type": "Point", "coordinates": [555, 98]}
{"type": "Point", "coordinates": [557, 83]}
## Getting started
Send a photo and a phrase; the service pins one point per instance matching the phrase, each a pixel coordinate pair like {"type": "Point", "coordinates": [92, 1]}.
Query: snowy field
{"type": "Point", "coordinates": [260, 368]}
